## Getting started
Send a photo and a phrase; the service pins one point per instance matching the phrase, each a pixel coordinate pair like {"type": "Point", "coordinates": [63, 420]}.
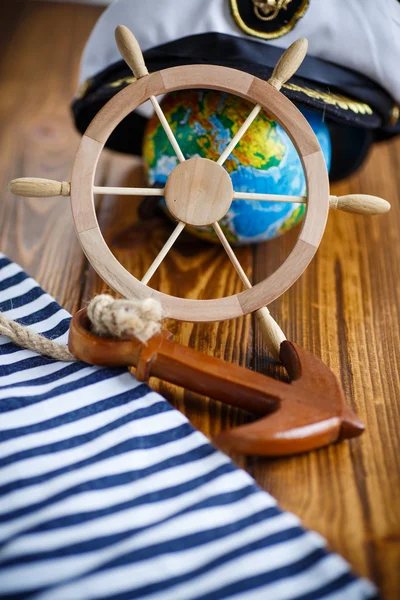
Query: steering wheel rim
{"type": "Point", "coordinates": [226, 80]}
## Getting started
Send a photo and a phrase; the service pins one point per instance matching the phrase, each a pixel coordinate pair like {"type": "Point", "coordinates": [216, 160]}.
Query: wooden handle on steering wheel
{"type": "Point", "coordinates": [288, 63]}
{"type": "Point", "coordinates": [35, 187]}
{"type": "Point", "coordinates": [130, 51]}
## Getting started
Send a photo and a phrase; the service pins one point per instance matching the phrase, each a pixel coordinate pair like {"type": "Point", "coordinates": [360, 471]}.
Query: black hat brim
{"type": "Point", "coordinates": [356, 109]}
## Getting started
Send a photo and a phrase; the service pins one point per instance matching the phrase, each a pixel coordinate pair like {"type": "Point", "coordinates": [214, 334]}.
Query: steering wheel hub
{"type": "Point", "coordinates": [198, 192]}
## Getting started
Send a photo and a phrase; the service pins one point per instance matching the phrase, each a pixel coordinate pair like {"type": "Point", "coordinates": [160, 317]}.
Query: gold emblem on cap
{"type": "Point", "coordinates": [268, 10]}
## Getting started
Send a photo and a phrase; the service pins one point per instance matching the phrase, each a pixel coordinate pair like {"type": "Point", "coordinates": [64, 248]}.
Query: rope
{"type": "Point", "coordinates": [109, 317]}
{"type": "Point", "coordinates": [125, 318]}
{"type": "Point", "coordinates": [29, 339]}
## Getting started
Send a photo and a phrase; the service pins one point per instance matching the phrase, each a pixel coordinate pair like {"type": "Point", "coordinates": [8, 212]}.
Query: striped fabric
{"type": "Point", "coordinates": [106, 491]}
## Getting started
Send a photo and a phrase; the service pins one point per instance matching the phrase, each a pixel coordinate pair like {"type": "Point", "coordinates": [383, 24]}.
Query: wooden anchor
{"type": "Point", "coordinates": [308, 413]}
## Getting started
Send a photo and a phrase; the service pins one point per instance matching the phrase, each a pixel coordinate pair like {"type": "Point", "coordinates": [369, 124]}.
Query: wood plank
{"type": "Point", "coordinates": [38, 77]}
{"type": "Point", "coordinates": [345, 308]}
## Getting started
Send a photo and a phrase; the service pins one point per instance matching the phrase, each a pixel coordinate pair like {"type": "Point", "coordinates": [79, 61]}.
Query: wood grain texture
{"type": "Point", "coordinates": [345, 307]}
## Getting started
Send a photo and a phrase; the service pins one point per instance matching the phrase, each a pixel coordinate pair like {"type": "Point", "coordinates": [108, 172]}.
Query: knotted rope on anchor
{"type": "Point", "coordinates": [109, 317]}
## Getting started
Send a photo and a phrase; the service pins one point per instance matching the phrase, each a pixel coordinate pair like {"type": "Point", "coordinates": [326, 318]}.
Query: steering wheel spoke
{"type": "Point", "coordinates": [272, 333]}
{"type": "Point", "coordinates": [232, 256]}
{"type": "Point", "coordinates": [132, 54]}
{"type": "Point", "coordinates": [163, 253]}
{"type": "Point", "coordinates": [239, 134]}
{"type": "Point", "coordinates": [268, 197]}
{"type": "Point", "coordinates": [167, 128]}
{"type": "Point", "coordinates": [128, 191]}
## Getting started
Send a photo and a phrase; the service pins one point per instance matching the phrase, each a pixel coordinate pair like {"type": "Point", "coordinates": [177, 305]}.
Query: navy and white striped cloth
{"type": "Point", "coordinates": [106, 491]}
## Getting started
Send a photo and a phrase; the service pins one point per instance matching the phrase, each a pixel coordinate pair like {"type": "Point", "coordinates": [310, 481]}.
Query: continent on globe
{"type": "Point", "coordinates": [264, 161]}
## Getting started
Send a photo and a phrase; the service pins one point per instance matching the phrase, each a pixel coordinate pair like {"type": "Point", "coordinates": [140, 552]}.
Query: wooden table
{"type": "Point", "coordinates": [345, 308]}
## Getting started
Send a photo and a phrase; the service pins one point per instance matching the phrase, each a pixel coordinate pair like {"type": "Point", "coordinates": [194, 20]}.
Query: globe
{"type": "Point", "coordinates": [264, 161]}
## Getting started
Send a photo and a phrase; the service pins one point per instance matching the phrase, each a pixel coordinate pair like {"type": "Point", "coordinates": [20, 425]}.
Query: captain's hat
{"type": "Point", "coordinates": [351, 72]}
